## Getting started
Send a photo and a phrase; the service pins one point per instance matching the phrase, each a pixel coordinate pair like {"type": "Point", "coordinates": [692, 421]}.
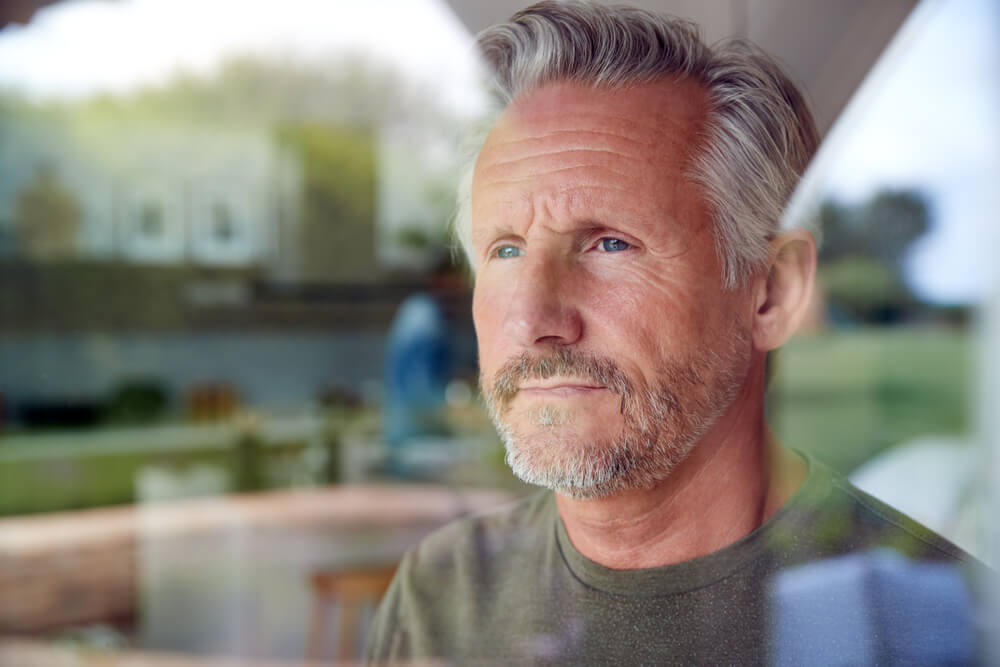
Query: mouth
{"type": "Point", "coordinates": [559, 388]}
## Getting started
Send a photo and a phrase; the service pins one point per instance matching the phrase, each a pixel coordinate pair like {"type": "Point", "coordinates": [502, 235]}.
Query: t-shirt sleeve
{"type": "Point", "coordinates": [386, 636]}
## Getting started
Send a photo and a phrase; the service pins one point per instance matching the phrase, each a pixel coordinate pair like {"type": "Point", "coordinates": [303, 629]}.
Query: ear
{"type": "Point", "coordinates": [782, 297]}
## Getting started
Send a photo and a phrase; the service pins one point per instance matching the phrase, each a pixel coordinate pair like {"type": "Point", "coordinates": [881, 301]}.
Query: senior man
{"type": "Point", "coordinates": [622, 219]}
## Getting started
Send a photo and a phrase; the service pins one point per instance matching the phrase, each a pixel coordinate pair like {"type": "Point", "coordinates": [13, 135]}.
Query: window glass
{"type": "Point", "coordinates": [213, 218]}
{"type": "Point", "coordinates": [237, 362]}
{"type": "Point", "coordinates": [882, 382]}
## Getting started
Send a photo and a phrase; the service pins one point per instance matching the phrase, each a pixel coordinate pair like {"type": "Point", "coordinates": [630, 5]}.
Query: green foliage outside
{"type": "Point", "coordinates": [861, 258]}
{"type": "Point", "coordinates": [353, 90]}
{"type": "Point", "coordinates": [865, 288]}
{"type": "Point", "coordinates": [47, 217]}
{"type": "Point", "coordinates": [325, 115]}
{"type": "Point", "coordinates": [338, 201]}
{"type": "Point", "coordinates": [846, 397]}
{"type": "Point", "coordinates": [49, 484]}
{"type": "Point", "coordinates": [138, 401]}
{"type": "Point", "coordinates": [415, 236]}
{"type": "Point", "coordinates": [882, 227]}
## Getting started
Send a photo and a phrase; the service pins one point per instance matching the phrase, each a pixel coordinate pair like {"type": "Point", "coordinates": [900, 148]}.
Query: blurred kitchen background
{"type": "Point", "coordinates": [237, 364]}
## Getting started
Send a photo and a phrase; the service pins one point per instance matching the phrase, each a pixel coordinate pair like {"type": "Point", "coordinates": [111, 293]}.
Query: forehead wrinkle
{"type": "Point", "coordinates": [516, 154]}
{"type": "Point", "coordinates": [570, 152]}
{"type": "Point", "coordinates": [579, 208]}
{"type": "Point", "coordinates": [619, 145]}
{"type": "Point", "coordinates": [580, 196]}
{"type": "Point", "coordinates": [534, 177]}
{"type": "Point", "coordinates": [501, 211]}
{"type": "Point", "coordinates": [561, 210]}
{"type": "Point", "coordinates": [497, 221]}
{"type": "Point", "coordinates": [658, 130]}
{"type": "Point", "coordinates": [586, 146]}
{"type": "Point", "coordinates": [558, 132]}
{"type": "Point", "coordinates": [661, 114]}
{"type": "Point", "coordinates": [566, 210]}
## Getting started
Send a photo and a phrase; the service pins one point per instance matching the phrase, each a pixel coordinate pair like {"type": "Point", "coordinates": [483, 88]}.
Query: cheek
{"type": "Point", "coordinates": [487, 317]}
{"type": "Point", "coordinates": [646, 318]}
{"type": "Point", "coordinates": [637, 306]}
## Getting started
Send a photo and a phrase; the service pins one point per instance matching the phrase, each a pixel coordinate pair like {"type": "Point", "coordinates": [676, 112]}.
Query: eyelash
{"type": "Point", "coordinates": [602, 243]}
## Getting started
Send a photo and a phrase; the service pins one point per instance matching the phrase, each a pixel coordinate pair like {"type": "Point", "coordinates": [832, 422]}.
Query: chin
{"type": "Point", "coordinates": [588, 469]}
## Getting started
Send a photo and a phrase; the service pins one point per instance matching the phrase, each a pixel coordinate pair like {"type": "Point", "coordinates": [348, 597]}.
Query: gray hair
{"type": "Point", "coordinates": [759, 134]}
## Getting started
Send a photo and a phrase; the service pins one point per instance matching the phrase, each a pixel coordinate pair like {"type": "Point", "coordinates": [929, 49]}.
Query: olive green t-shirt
{"type": "Point", "coordinates": [509, 588]}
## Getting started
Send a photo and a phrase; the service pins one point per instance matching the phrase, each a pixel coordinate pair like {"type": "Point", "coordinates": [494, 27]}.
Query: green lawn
{"type": "Point", "coordinates": [846, 396]}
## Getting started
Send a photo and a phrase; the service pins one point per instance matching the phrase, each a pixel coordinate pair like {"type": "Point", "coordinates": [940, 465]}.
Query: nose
{"type": "Point", "coordinates": [542, 309]}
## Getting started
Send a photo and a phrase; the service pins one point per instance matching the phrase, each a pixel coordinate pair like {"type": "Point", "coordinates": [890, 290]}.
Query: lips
{"type": "Point", "coordinates": [559, 388]}
{"type": "Point", "coordinates": [563, 373]}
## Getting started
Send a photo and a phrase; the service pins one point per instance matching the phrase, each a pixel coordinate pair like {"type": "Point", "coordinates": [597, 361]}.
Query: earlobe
{"type": "Point", "coordinates": [784, 294]}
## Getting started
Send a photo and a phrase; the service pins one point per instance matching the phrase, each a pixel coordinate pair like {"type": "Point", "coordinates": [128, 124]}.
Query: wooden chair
{"type": "Point", "coordinates": [351, 588]}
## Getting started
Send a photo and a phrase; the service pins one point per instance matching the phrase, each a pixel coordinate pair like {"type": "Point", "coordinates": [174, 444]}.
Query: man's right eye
{"type": "Point", "coordinates": [508, 252]}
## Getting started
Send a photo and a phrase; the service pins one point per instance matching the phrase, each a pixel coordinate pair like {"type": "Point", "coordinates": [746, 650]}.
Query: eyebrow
{"type": "Point", "coordinates": [485, 236]}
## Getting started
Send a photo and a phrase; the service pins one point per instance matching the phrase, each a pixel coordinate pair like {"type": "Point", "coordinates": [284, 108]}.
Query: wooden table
{"type": "Point", "coordinates": [87, 566]}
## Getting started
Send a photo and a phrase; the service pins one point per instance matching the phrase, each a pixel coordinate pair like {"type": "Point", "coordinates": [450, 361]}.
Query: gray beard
{"type": "Point", "coordinates": [660, 423]}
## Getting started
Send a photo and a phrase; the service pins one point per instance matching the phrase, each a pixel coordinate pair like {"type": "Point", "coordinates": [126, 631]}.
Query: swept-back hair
{"type": "Point", "coordinates": [759, 134]}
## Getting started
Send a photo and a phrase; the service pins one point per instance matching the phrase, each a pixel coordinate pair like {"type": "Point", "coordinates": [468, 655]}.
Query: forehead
{"type": "Point", "coordinates": [572, 142]}
{"type": "Point", "coordinates": [665, 110]}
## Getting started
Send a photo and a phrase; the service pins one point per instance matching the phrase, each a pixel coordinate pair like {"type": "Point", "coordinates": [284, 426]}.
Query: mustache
{"type": "Point", "coordinates": [563, 361]}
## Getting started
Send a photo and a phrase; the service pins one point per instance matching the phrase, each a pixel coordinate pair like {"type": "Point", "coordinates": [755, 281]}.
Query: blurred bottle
{"type": "Point", "coordinates": [417, 371]}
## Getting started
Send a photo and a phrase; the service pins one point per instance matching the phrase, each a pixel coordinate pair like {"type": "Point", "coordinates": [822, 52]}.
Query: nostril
{"type": "Point", "coordinates": [544, 322]}
{"type": "Point", "coordinates": [554, 341]}
{"type": "Point", "coordinates": [540, 311]}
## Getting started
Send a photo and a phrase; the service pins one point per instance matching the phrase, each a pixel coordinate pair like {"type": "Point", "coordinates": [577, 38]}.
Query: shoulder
{"type": "Point", "coordinates": [444, 581]}
{"type": "Point", "coordinates": [840, 518]}
{"type": "Point", "coordinates": [896, 529]}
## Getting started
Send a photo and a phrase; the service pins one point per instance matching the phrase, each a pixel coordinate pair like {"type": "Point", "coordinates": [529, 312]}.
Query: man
{"type": "Point", "coordinates": [622, 220]}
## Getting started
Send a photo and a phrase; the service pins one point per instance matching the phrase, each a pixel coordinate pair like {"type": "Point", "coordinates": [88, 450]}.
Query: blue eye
{"type": "Point", "coordinates": [614, 245]}
{"type": "Point", "coordinates": [508, 252]}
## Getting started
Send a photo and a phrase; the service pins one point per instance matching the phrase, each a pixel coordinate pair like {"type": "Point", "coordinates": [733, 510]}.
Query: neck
{"type": "Point", "coordinates": [733, 480]}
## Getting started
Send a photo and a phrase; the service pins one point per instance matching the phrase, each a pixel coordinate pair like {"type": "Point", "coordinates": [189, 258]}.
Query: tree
{"type": "Point", "coordinates": [46, 217]}
{"type": "Point", "coordinates": [892, 220]}
{"type": "Point", "coordinates": [352, 91]}
{"type": "Point", "coordinates": [861, 261]}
